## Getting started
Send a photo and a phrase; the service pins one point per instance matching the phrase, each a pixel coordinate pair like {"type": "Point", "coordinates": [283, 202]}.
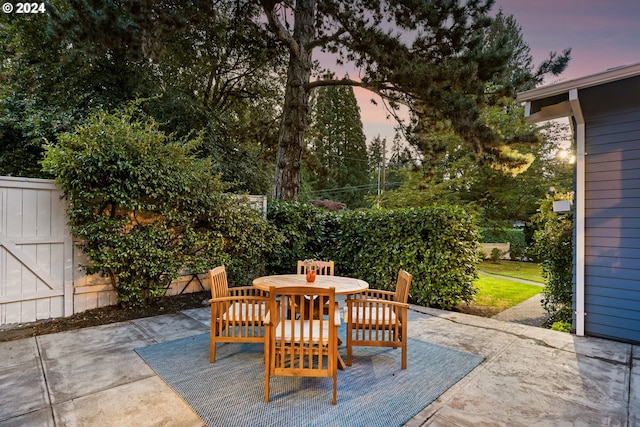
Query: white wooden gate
{"type": "Point", "coordinates": [36, 252]}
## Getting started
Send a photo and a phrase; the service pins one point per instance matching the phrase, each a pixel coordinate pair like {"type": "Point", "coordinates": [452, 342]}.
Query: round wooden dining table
{"type": "Point", "coordinates": [343, 285]}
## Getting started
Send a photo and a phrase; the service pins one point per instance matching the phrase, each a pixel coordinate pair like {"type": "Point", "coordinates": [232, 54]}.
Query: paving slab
{"type": "Point", "coordinates": [170, 327]}
{"type": "Point", "coordinates": [567, 377]}
{"type": "Point", "coordinates": [23, 388]}
{"type": "Point", "coordinates": [146, 402]}
{"type": "Point", "coordinates": [202, 315]}
{"type": "Point", "coordinates": [531, 376]}
{"type": "Point", "coordinates": [39, 418]}
{"type": "Point", "coordinates": [78, 363]}
{"type": "Point", "coordinates": [485, 337]}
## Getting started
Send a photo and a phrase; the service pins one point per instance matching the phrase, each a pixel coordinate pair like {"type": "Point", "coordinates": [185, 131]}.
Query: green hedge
{"type": "Point", "coordinates": [437, 245]}
{"type": "Point", "coordinates": [301, 226]}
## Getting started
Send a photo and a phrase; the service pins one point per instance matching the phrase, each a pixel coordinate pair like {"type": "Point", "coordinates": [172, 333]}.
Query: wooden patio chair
{"type": "Point", "coordinates": [379, 318]}
{"type": "Point", "coordinates": [237, 314]}
{"type": "Point", "coordinates": [305, 346]}
{"type": "Point", "coordinates": [328, 268]}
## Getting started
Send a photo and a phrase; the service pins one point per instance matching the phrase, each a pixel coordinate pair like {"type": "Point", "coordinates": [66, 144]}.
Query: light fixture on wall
{"type": "Point", "coordinates": [567, 156]}
{"type": "Point", "coordinates": [560, 206]}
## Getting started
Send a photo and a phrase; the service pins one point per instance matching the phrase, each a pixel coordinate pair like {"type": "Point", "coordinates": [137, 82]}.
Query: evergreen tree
{"type": "Point", "coordinates": [500, 192]}
{"type": "Point", "coordinates": [51, 76]}
{"type": "Point", "coordinates": [337, 147]}
{"type": "Point", "coordinates": [498, 196]}
{"type": "Point", "coordinates": [436, 57]}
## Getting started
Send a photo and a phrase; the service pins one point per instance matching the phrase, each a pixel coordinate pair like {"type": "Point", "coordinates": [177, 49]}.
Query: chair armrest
{"type": "Point", "coordinates": [247, 291]}
{"type": "Point", "coordinates": [374, 293]}
{"type": "Point", "coordinates": [240, 298]}
{"type": "Point", "coordinates": [375, 301]}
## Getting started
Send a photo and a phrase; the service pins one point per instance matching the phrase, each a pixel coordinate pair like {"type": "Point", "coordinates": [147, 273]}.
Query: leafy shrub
{"type": "Point", "coordinates": [302, 228]}
{"type": "Point", "coordinates": [561, 326]}
{"type": "Point", "coordinates": [554, 246]}
{"type": "Point", "coordinates": [144, 207]}
{"type": "Point", "coordinates": [496, 254]}
{"type": "Point", "coordinates": [437, 245]}
{"type": "Point", "coordinates": [248, 240]}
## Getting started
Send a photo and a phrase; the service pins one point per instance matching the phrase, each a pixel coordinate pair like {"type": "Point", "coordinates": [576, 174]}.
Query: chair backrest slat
{"type": "Point", "coordinates": [218, 282]}
{"type": "Point", "coordinates": [327, 269]}
{"type": "Point", "coordinates": [402, 286]}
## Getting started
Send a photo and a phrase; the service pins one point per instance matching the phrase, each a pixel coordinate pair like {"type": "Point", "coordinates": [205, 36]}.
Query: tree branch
{"type": "Point", "coordinates": [277, 28]}
{"type": "Point", "coordinates": [378, 88]}
{"type": "Point", "coordinates": [334, 82]}
{"type": "Point", "coordinates": [326, 39]}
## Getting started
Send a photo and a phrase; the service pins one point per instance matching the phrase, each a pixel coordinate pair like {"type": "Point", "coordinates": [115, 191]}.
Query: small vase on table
{"type": "Point", "coordinates": [311, 275]}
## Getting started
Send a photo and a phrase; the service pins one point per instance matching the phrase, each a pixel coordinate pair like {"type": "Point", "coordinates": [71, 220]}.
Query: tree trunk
{"type": "Point", "coordinates": [294, 114]}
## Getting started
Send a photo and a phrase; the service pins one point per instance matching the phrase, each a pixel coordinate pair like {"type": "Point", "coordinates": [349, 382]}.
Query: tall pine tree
{"type": "Point", "coordinates": [337, 159]}
{"type": "Point", "coordinates": [436, 57]}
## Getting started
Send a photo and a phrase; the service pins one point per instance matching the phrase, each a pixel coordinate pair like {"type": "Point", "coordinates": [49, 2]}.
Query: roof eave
{"type": "Point", "coordinates": [610, 75]}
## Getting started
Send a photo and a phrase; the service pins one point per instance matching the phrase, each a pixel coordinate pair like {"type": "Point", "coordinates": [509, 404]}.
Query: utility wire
{"type": "Point", "coordinates": [413, 159]}
{"type": "Point", "coordinates": [343, 189]}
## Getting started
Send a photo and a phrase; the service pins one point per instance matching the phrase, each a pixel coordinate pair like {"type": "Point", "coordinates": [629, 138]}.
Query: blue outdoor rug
{"type": "Point", "coordinates": [372, 392]}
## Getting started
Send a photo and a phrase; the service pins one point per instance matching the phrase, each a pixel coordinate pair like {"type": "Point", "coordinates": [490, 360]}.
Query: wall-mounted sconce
{"type": "Point", "coordinates": [560, 206]}
{"type": "Point", "coordinates": [567, 156]}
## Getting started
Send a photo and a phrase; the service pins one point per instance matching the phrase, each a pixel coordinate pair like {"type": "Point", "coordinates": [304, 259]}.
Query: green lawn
{"type": "Point", "coordinates": [496, 294]}
{"type": "Point", "coordinates": [500, 294]}
{"type": "Point", "coordinates": [521, 270]}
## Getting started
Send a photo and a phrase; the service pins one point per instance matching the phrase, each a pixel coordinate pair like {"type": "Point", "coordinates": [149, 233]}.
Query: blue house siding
{"type": "Point", "coordinates": [604, 109]}
{"type": "Point", "coordinates": [607, 290]}
{"type": "Point", "coordinates": [612, 210]}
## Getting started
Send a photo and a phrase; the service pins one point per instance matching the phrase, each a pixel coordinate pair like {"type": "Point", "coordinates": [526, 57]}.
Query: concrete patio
{"type": "Point", "coordinates": [530, 376]}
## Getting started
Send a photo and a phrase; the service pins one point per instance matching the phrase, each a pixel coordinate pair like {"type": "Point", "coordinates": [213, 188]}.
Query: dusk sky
{"type": "Point", "coordinates": [602, 34]}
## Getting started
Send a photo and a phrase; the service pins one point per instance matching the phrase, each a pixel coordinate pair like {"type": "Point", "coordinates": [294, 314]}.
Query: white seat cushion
{"type": "Point", "coordinates": [308, 327]}
{"type": "Point", "coordinates": [372, 315]}
{"type": "Point", "coordinates": [240, 311]}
